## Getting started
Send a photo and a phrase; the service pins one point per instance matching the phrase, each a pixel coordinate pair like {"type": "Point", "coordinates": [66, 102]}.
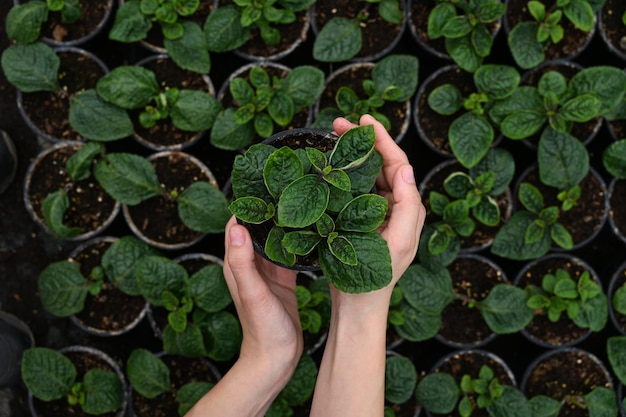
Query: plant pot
{"type": "Point", "coordinates": [352, 76]}
{"type": "Point", "coordinates": [618, 280]}
{"type": "Point", "coordinates": [15, 338]}
{"type": "Point", "coordinates": [585, 132]}
{"type": "Point", "coordinates": [47, 113]}
{"type": "Point", "coordinates": [586, 219]}
{"type": "Point", "coordinates": [611, 27]}
{"type": "Point", "coordinates": [617, 207]}
{"type": "Point", "coordinates": [91, 208]}
{"type": "Point", "coordinates": [483, 235]}
{"type": "Point", "coordinates": [156, 220]}
{"type": "Point", "coordinates": [565, 371]}
{"type": "Point", "coordinates": [541, 331]}
{"type": "Point", "coordinates": [83, 358]}
{"type": "Point", "coordinates": [292, 36]}
{"type": "Point", "coordinates": [164, 136]}
{"type": "Point", "coordinates": [93, 19]}
{"type": "Point", "coordinates": [182, 371]}
{"type": "Point", "coordinates": [433, 127]}
{"type": "Point", "coordinates": [379, 37]}
{"type": "Point", "coordinates": [111, 312]}
{"type": "Point", "coordinates": [473, 276]}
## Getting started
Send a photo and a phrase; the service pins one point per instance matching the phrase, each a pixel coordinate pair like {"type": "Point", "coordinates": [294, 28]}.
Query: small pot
{"type": "Point", "coordinates": [158, 234]}
{"type": "Point", "coordinates": [169, 74]}
{"type": "Point", "coordinates": [611, 27]}
{"type": "Point", "coordinates": [352, 75]}
{"type": "Point", "coordinates": [617, 281]}
{"type": "Point", "coordinates": [82, 70]}
{"type": "Point", "coordinates": [563, 333]}
{"type": "Point", "coordinates": [70, 34]}
{"type": "Point", "coordinates": [46, 174]}
{"type": "Point", "coordinates": [89, 255]}
{"type": "Point", "coordinates": [99, 356]}
{"type": "Point", "coordinates": [617, 208]}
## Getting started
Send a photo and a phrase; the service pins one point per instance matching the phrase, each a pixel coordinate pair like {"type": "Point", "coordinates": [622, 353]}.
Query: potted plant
{"type": "Point", "coordinates": [464, 111]}
{"type": "Point", "coordinates": [74, 378]}
{"type": "Point", "coordinates": [165, 385]}
{"type": "Point", "coordinates": [463, 31]}
{"type": "Point", "coordinates": [400, 382]}
{"type": "Point", "coordinates": [57, 23]}
{"type": "Point", "coordinates": [265, 30]}
{"type": "Point", "coordinates": [382, 89]}
{"type": "Point", "coordinates": [352, 31]}
{"type": "Point", "coordinates": [611, 19]}
{"type": "Point", "coordinates": [540, 30]}
{"type": "Point", "coordinates": [613, 160]}
{"type": "Point", "coordinates": [95, 285]}
{"type": "Point", "coordinates": [260, 98]}
{"type": "Point", "coordinates": [332, 182]}
{"type": "Point", "coordinates": [181, 36]}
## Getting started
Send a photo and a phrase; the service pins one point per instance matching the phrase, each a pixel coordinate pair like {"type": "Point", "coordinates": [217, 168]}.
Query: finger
{"type": "Point", "coordinates": [341, 125]}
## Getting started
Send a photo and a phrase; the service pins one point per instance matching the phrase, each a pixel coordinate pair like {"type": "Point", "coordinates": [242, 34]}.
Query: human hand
{"type": "Point", "coordinates": [265, 299]}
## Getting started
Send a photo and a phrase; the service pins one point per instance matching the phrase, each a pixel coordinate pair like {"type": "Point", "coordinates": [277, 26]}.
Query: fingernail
{"type": "Point", "coordinates": [407, 175]}
{"type": "Point", "coordinates": [236, 236]}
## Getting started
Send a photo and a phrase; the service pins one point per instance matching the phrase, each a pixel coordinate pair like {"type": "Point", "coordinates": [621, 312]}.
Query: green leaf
{"type": "Point", "coordinates": [227, 134]}
{"type": "Point", "coordinates": [462, 52]}
{"type": "Point", "coordinates": [504, 309]}
{"type": "Point", "coordinates": [601, 402]}
{"type": "Point", "coordinates": [302, 202]}
{"type": "Point", "coordinates": [456, 213]}
{"type": "Point", "coordinates": [96, 119]}
{"type": "Point", "coordinates": [522, 124]}
{"type": "Point", "coordinates": [561, 236]}
{"type": "Point", "coordinates": [619, 300]}
{"type": "Point", "coordinates": [339, 179]}
{"type": "Point", "coordinates": [128, 178]}
{"type": "Point", "coordinates": [281, 169]}
{"type": "Point", "coordinates": [304, 84]}
{"type": "Point", "coordinates": [417, 326]}
{"type": "Point", "coordinates": [512, 403]}
{"type": "Point", "coordinates": [190, 51]}
{"type": "Point", "coordinates": [438, 393]}
{"type": "Point", "coordinates": [497, 81]}
{"type": "Point", "coordinates": [446, 99]}
{"type": "Point", "coordinates": [429, 291]}
{"type": "Point", "coordinates": [593, 314]}
{"type": "Point", "coordinates": [54, 207]}
{"type": "Point", "coordinates": [457, 185]}
{"type": "Point", "coordinates": [616, 352]}
{"type": "Point", "coordinates": [544, 406]}
{"type": "Point", "coordinates": [482, 41]}
{"type": "Point", "coordinates": [130, 24]}
{"type": "Point", "coordinates": [275, 250]}
{"type": "Point", "coordinates": [400, 379]}
{"type": "Point", "coordinates": [470, 137]}
{"type": "Point", "coordinates": [281, 109]}
{"type": "Point", "coordinates": [301, 242]}
{"type": "Point", "coordinates": [607, 83]}
{"type": "Point", "coordinates": [457, 27]}
{"type": "Point", "coordinates": [342, 249]}
{"type": "Point", "coordinates": [339, 40]}
{"type": "Point", "coordinates": [580, 13]}
{"type": "Point", "coordinates": [247, 172]}
{"type": "Point", "coordinates": [250, 209]}
{"type": "Point", "coordinates": [399, 71]}
{"type": "Point", "coordinates": [128, 86]}
{"type": "Point", "coordinates": [222, 336]}
{"type": "Point", "coordinates": [78, 165]}
{"type": "Point", "coordinates": [189, 394]}
{"type": "Point", "coordinates": [530, 197]}
{"type": "Point", "coordinates": [510, 243]}
{"type": "Point", "coordinates": [364, 213]}
{"type": "Point", "coordinates": [526, 50]}
{"type": "Point", "coordinates": [581, 109]}
{"type": "Point", "coordinates": [208, 289]}
{"type": "Point", "coordinates": [438, 17]}
{"type": "Point", "coordinates": [62, 288]}
{"type": "Point", "coordinates": [47, 373]}
{"type": "Point", "coordinates": [487, 212]}
{"type": "Point", "coordinates": [300, 387]}
{"type": "Point", "coordinates": [32, 67]}
{"type": "Point", "coordinates": [203, 208]}
{"type": "Point", "coordinates": [24, 21]}
{"type": "Point", "coordinates": [194, 111]}
{"type": "Point", "coordinates": [223, 29]}
{"type": "Point", "coordinates": [156, 274]}
{"type": "Point", "coordinates": [148, 374]}
{"type": "Point", "coordinates": [120, 259]}
{"type": "Point", "coordinates": [353, 147]}
{"type": "Point", "coordinates": [188, 343]}
{"type": "Point", "coordinates": [501, 163]}
{"type": "Point", "coordinates": [614, 159]}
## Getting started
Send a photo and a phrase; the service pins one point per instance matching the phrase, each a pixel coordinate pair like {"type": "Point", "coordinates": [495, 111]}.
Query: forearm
{"type": "Point", "coordinates": [351, 379]}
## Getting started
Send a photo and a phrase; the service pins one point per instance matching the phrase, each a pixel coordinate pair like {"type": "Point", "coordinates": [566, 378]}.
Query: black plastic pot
{"type": "Point", "coordinates": [615, 210]}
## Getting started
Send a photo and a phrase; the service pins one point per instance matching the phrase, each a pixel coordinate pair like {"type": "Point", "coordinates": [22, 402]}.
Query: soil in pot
{"type": "Point", "coordinates": [472, 277]}
{"type": "Point", "coordinates": [49, 111]}
{"type": "Point", "coordinates": [377, 34]}
{"type": "Point", "coordinates": [182, 371]}
{"type": "Point", "coordinates": [617, 204]}
{"type": "Point", "coordinates": [587, 217]}
{"type": "Point", "coordinates": [111, 311]}
{"type": "Point", "coordinates": [91, 208]}
{"type": "Point", "coordinates": [352, 76]}
{"type": "Point", "coordinates": [612, 27]}
{"type": "Point", "coordinates": [541, 330]}
{"type": "Point", "coordinates": [565, 372]}
{"type": "Point", "coordinates": [164, 135]}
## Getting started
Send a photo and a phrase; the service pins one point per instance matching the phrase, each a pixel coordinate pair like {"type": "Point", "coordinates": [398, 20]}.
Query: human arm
{"type": "Point", "coordinates": [351, 379]}
{"type": "Point", "coordinates": [264, 296]}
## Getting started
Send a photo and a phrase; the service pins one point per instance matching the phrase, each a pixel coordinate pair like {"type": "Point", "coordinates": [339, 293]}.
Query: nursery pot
{"type": "Point", "coordinates": [618, 280]}
{"type": "Point", "coordinates": [617, 208]}
{"type": "Point", "coordinates": [611, 27]}
{"type": "Point", "coordinates": [15, 338]}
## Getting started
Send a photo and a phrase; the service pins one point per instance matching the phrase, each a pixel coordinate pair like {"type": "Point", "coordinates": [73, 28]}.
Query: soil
{"type": "Point", "coordinates": [563, 373]}
{"type": "Point", "coordinates": [90, 206]}
{"type": "Point", "coordinates": [472, 278]}
{"type": "Point", "coordinates": [377, 34]}
{"type": "Point", "coordinates": [588, 215]}
{"type": "Point", "coordinates": [617, 204]}
{"type": "Point", "coordinates": [563, 332]}
{"type": "Point", "coordinates": [620, 281]}
{"type": "Point", "coordinates": [111, 311]}
{"type": "Point", "coordinates": [353, 77]}
{"type": "Point", "coordinates": [49, 111]}
{"type": "Point", "coordinates": [156, 218]}
{"type": "Point", "coordinates": [612, 26]}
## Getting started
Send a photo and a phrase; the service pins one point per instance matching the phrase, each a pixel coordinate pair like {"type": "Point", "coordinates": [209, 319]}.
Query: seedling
{"type": "Point", "coordinates": [400, 382]}
{"type": "Point", "coordinates": [24, 21]}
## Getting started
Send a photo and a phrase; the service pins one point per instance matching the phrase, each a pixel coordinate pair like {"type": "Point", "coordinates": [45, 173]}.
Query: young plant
{"type": "Point", "coordinates": [341, 38]}
{"type": "Point", "coordinates": [264, 103]}
{"type": "Point", "coordinates": [198, 324]}
{"type": "Point", "coordinates": [393, 79]}
{"type": "Point", "coordinates": [471, 133]}
{"type": "Point", "coordinates": [24, 21]}
{"type": "Point", "coordinates": [465, 27]}
{"type": "Point", "coordinates": [245, 16]}
{"type": "Point", "coordinates": [528, 40]}
{"type": "Point", "coordinates": [298, 390]}
{"type": "Point", "coordinates": [555, 102]}
{"type": "Point", "coordinates": [563, 163]}
{"type": "Point", "coordinates": [314, 305]}
{"type": "Point", "coordinates": [440, 393]}
{"type": "Point", "coordinates": [400, 382]}
{"type": "Point", "coordinates": [614, 159]}
{"type": "Point", "coordinates": [272, 187]}
{"type": "Point", "coordinates": [616, 353]}
{"type": "Point", "coordinates": [63, 288]}
{"type": "Point", "coordinates": [150, 377]}
{"type": "Point", "coordinates": [50, 376]}
{"type": "Point", "coordinates": [597, 402]}
{"type": "Point", "coordinates": [470, 199]}
{"type": "Point", "coordinates": [184, 39]}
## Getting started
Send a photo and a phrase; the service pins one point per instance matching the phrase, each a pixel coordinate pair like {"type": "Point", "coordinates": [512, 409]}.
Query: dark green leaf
{"type": "Point", "coordinates": [417, 326]}
{"type": "Point", "coordinates": [24, 21]}
{"type": "Point", "coordinates": [497, 81]}
{"type": "Point", "coordinates": [208, 289]}
{"type": "Point", "coordinates": [397, 70]}
{"type": "Point", "coordinates": [438, 17]}
{"type": "Point", "coordinates": [54, 207]}
{"type": "Point", "coordinates": [445, 99]}
{"type": "Point", "coordinates": [304, 84]}
{"type": "Point", "coordinates": [203, 208]}
{"type": "Point", "coordinates": [228, 134]}
{"type": "Point", "coordinates": [148, 374]}
{"type": "Point", "coordinates": [470, 137]}
{"type": "Point", "coordinates": [364, 213]}
{"type": "Point", "coordinates": [601, 402]}
{"type": "Point", "coordinates": [32, 67]}
{"type": "Point", "coordinates": [156, 274]}
{"type": "Point", "coordinates": [509, 241]}
{"type": "Point", "coordinates": [281, 169]}
{"type": "Point", "coordinates": [128, 178]}
{"type": "Point", "coordinates": [195, 111]}
{"type": "Point", "coordinates": [606, 83]}
{"type": "Point", "coordinates": [247, 173]}
{"type": "Point", "coordinates": [614, 159]}
{"type": "Point", "coordinates": [438, 392]}
{"type": "Point", "coordinates": [400, 379]}
{"type": "Point", "coordinates": [300, 387]}
{"type": "Point", "coordinates": [512, 403]}
{"type": "Point", "coordinates": [526, 50]}
{"type": "Point", "coordinates": [427, 290]}
{"type": "Point", "coordinates": [301, 242]}
{"type": "Point", "coordinates": [339, 40]}
{"type": "Point", "coordinates": [190, 51]}
{"type": "Point", "coordinates": [302, 202]}
{"type": "Point", "coordinates": [62, 288]}
{"type": "Point", "coordinates": [130, 24]}
{"type": "Point", "coordinates": [616, 352]}
{"type": "Point", "coordinates": [222, 336]}
{"type": "Point", "coordinates": [47, 373]}
{"type": "Point", "coordinates": [96, 119]}
{"type": "Point", "coordinates": [250, 209]}
{"type": "Point", "coordinates": [563, 159]}
{"type": "Point", "coordinates": [544, 406]}
{"type": "Point", "coordinates": [487, 212]}
{"type": "Point", "coordinates": [462, 52]}
{"type": "Point", "coordinates": [188, 343]}
{"type": "Point", "coordinates": [504, 309]}
{"type": "Point", "coordinates": [189, 394]}
{"type": "Point", "coordinates": [342, 249]}
{"type": "Point", "coordinates": [224, 31]}
{"type": "Point", "coordinates": [275, 250]}
{"type": "Point", "coordinates": [128, 86]}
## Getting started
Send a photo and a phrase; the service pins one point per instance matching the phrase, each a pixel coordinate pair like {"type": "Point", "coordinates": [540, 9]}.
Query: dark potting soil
{"type": "Point", "coordinates": [90, 206]}
{"type": "Point", "coordinates": [618, 205]}
{"type": "Point", "coordinates": [49, 111]}
{"type": "Point", "coordinates": [612, 13]}
{"type": "Point", "coordinates": [92, 15]}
